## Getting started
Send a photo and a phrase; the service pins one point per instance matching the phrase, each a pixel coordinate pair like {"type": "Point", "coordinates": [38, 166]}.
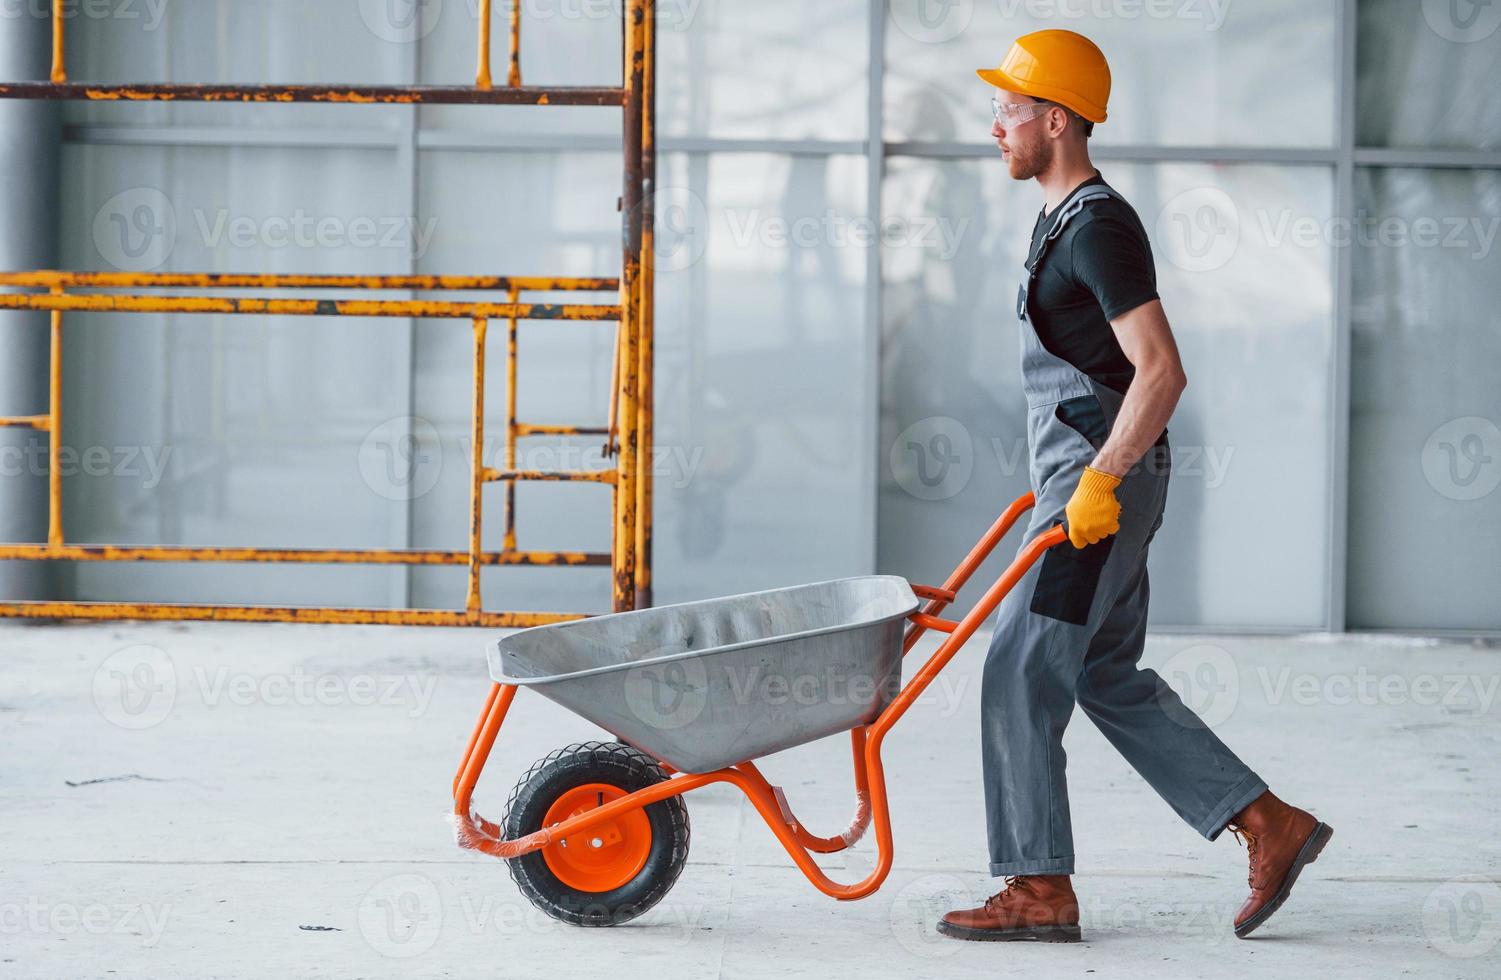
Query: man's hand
{"type": "Point", "coordinates": [1093, 513]}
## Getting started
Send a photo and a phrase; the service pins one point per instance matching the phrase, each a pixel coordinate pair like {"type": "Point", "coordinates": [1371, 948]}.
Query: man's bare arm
{"type": "Point", "coordinates": [1148, 343]}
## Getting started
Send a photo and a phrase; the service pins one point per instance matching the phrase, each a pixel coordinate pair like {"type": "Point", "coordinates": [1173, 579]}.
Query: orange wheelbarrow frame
{"type": "Point", "coordinates": [477, 833]}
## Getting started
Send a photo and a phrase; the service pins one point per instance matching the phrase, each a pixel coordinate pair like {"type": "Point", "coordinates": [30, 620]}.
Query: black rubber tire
{"type": "Point", "coordinates": [596, 762]}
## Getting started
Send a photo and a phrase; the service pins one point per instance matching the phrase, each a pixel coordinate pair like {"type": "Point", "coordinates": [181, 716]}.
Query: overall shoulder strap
{"type": "Point", "coordinates": [1070, 211]}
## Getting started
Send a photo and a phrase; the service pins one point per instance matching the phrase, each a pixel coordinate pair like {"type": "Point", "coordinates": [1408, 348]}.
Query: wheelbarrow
{"type": "Point", "coordinates": [597, 833]}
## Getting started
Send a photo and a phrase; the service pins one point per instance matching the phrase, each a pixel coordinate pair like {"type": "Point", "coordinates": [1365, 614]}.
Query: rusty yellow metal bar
{"type": "Point", "coordinates": [534, 429]}
{"type": "Point", "coordinates": [42, 422]}
{"type": "Point", "coordinates": [514, 78]}
{"type": "Point", "coordinates": [280, 614]}
{"type": "Point", "coordinates": [338, 94]}
{"type": "Point", "coordinates": [59, 65]}
{"type": "Point", "coordinates": [477, 472]}
{"type": "Point", "coordinates": [509, 538]}
{"type": "Point", "coordinates": [54, 435]}
{"type": "Point", "coordinates": [624, 592]}
{"type": "Point", "coordinates": [299, 556]}
{"type": "Point", "coordinates": [482, 73]}
{"type": "Point", "coordinates": [646, 287]}
{"type": "Point", "coordinates": [51, 278]}
{"type": "Point", "coordinates": [307, 307]}
{"type": "Point", "coordinates": [612, 427]}
{"type": "Point", "coordinates": [631, 416]}
{"type": "Point", "coordinates": [551, 476]}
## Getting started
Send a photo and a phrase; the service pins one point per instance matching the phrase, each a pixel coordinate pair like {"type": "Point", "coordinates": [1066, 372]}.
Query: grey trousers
{"type": "Point", "coordinates": [1072, 630]}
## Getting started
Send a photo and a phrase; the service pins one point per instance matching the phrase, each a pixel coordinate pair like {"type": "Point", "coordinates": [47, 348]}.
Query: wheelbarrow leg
{"type": "Point", "coordinates": [478, 752]}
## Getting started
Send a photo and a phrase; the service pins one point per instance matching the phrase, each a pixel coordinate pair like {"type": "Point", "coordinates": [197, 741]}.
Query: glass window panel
{"type": "Point", "coordinates": [760, 378]}
{"type": "Point", "coordinates": [1425, 451]}
{"type": "Point", "coordinates": [1244, 543]}
{"type": "Point", "coordinates": [231, 41]}
{"type": "Point", "coordinates": [777, 69]}
{"type": "Point", "coordinates": [550, 213]}
{"type": "Point", "coordinates": [1427, 74]}
{"type": "Point", "coordinates": [1185, 73]}
{"type": "Point", "coordinates": [230, 430]}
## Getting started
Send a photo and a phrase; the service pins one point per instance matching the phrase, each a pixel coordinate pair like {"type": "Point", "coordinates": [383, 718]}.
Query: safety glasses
{"type": "Point", "coordinates": [1013, 114]}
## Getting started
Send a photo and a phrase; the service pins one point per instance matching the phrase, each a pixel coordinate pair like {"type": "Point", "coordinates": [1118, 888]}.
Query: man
{"type": "Point", "coordinates": [1102, 375]}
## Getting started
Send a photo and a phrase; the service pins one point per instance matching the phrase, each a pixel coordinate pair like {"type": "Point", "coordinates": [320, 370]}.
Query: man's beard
{"type": "Point", "coordinates": [1034, 162]}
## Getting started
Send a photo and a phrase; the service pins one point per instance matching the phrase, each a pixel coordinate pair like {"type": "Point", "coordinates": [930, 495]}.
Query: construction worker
{"type": "Point", "coordinates": [1101, 373]}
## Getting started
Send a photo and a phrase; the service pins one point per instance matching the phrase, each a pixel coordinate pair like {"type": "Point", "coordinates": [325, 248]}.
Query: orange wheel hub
{"type": "Point", "coordinates": [605, 856]}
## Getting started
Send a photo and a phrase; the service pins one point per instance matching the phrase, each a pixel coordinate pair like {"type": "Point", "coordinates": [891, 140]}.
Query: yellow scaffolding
{"type": "Point", "coordinates": [627, 433]}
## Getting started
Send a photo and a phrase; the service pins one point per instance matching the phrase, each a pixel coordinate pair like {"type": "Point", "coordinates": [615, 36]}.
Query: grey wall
{"type": "Point", "coordinates": [832, 309]}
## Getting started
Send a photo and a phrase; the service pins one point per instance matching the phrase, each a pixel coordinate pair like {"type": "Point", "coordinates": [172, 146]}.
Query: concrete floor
{"type": "Point", "coordinates": [225, 800]}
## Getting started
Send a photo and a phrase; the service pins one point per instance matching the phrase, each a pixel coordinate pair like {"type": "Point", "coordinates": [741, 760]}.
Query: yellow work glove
{"type": "Point", "coordinates": [1093, 512]}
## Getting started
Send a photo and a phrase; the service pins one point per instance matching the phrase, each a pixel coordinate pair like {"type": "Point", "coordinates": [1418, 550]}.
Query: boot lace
{"type": "Point", "coordinates": [1014, 883]}
{"type": "Point", "coordinates": [1248, 839]}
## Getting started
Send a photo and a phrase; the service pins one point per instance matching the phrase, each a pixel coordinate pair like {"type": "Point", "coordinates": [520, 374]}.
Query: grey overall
{"type": "Point", "coordinates": [1073, 628]}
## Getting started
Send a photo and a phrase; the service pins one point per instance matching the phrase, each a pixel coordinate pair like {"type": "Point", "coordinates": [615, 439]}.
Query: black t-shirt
{"type": "Point", "coordinates": [1099, 268]}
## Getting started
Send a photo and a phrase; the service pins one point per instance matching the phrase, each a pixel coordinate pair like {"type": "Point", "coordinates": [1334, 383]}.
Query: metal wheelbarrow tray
{"type": "Point", "coordinates": [596, 833]}
{"type": "Point", "coordinates": [704, 685]}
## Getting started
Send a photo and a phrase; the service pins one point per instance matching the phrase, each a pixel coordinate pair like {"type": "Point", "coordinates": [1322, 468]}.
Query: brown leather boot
{"type": "Point", "coordinates": [1039, 908]}
{"type": "Point", "coordinates": [1280, 840]}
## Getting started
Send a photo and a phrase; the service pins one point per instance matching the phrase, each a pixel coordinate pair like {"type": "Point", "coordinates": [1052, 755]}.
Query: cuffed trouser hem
{"type": "Point", "coordinates": [1240, 797]}
{"type": "Point", "coordinates": [1036, 866]}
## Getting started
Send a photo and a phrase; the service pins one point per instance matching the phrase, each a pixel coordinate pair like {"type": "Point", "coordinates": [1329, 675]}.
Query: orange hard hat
{"type": "Point", "coordinates": [1059, 66]}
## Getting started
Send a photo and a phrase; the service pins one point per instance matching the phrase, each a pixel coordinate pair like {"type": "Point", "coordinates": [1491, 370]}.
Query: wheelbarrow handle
{"type": "Point", "coordinates": [940, 597]}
